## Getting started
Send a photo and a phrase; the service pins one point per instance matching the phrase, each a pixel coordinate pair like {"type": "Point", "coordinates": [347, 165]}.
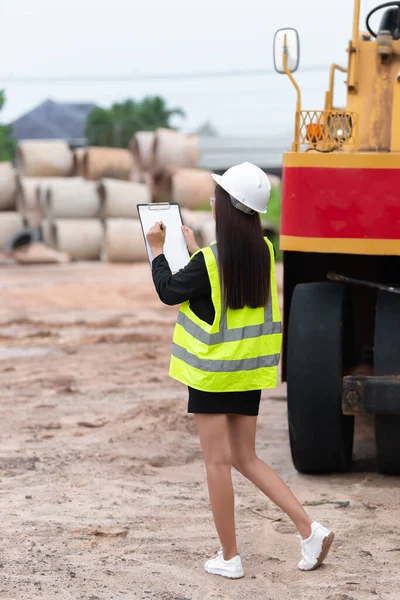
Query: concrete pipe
{"type": "Point", "coordinates": [141, 146]}
{"type": "Point", "coordinates": [147, 179]}
{"type": "Point", "coordinates": [82, 239]}
{"type": "Point", "coordinates": [274, 180]}
{"type": "Point", "coordinates": [43, 186]}
{"type": "Point", "coordinates": [29, 191]}
{"type": "Point", "coordinates": [174, 149]}
{"type": "Point", "coordinates": [191, 187]}
{"type": "Point", "coordinates": [47, 234]}
{"type": "Point", "coordinates": [79, 153]}
{"type": "Point", "coordinates": [207, 233]}
{"type": "Point", "coordinates": [161, 186]}
{"type": "Point", "coordinates": [135, 174]}
{"type": "Point", "coordinates": [44, 158]}
{"type": "Point", "coordinates": [195, 218]}
{"type": "Point", "coordinates": [73, 198]}
{"type": "Point", "coordinates": [10, 224]}
{"type": "Point", "coordinates": [8, 186]}
{"type": "Point", "coordinates": [116, 163]}
{"type": "Point", "coordinates": [124, 241]}
{"type": "Point", "coordinates": [119, 198]}
{"type": "Point", "coordinates": [27, 194]}
{"type": "Point", "coordinates": [188, 217]}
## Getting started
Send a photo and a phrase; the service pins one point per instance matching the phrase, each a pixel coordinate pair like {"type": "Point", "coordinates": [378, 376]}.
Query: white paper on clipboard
{"type": "Point", "coordinates": [175, 248]}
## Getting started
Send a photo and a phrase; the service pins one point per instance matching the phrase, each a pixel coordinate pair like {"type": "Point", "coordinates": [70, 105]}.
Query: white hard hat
{"type": "Point", "coordinates": [248, 185]}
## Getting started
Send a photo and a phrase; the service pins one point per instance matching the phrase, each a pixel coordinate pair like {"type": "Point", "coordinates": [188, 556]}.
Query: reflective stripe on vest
{"type": "Point", "coordinates": [239, 351]}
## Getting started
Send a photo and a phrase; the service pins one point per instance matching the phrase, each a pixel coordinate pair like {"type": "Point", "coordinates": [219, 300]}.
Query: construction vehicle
{"type": "Point", "coordinates": [340, 236]}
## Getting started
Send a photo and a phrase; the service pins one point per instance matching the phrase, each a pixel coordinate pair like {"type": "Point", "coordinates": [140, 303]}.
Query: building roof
{"type": "Point", "coordinates": [53, 120]}
{"type": "Point", "coordinates": [220, 153]}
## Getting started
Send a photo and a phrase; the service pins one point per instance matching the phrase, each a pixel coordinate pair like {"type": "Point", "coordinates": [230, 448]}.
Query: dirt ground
{"type": "Point", "coordinates": [103, 489]}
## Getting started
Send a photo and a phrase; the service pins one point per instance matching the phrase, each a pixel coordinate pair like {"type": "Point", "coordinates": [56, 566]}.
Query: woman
{"type": "Point", "coordinates": [226, 349]}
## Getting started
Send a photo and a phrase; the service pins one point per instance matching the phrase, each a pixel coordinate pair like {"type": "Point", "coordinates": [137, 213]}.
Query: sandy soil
{"type": "Point", "coordinates": [103, 490]}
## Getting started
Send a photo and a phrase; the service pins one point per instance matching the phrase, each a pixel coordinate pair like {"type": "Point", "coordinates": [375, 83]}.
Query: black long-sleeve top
{"type": "Point", "coordinates": [190, 283]}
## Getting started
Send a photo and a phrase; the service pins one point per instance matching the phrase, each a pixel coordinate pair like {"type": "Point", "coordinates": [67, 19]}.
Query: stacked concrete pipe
{"type": "Point", "coordinates": [141, 146]}
{"type": "Point", "coordinates": [81, 239]}
{"type": "Point", "coordinates": [27, 201]}
{"type": "Point", "coordinates": [73, 198]}
{"type": "Point", "coordinates": [173, 149]}
{"type": "Point", "coordinates": [10, 220]}
{"type": "Point", "coordinates": [123, 240]}
{"type": "Point", "coordinates": [118, 199]}
{"type": "Point", "coordinates": [71, 217]}
{"type": "Point", "coordinates": [100, 162]}
{"type": "Point", "coordinates": [44, 158]}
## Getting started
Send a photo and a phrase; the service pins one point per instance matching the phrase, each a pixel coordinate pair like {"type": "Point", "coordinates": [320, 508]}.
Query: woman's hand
{"type": "Point", "coordinates": [156, 238]}
{"type": "Point", "coordinates": [189, 239]}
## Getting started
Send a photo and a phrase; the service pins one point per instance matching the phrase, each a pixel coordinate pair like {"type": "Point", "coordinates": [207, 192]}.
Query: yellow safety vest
{"type": "Point", "coordinates": [240, 351]}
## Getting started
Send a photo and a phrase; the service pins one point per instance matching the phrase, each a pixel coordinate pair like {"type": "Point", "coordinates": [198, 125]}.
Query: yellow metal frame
{"type": "Point", "coordinates": [342, 245]}
{"type": "Point", "coordinates": [395, 133]}
{"type": "Point", "coordinates": [329, 94]}
{"type": "Point", "coordinates": [356, 20]}
{"type": "Point", "coordinates": [352, 49]}
{"type": "Point", "coordinates": [295, 145]}
{"type": "Point", "coordinates": [343, 160]}
{"type": "Point", "coordinates": [373, 92]}
{"type": "Point", "coordinates": [325, 130]}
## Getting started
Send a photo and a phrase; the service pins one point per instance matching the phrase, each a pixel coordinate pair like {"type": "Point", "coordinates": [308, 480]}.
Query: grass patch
{"type": "Point", "coordinates": [274, 208]}
{"type": "Point", "coordinates": [204, 207]}
{"type": "Point", "coordinates": [273, 216]}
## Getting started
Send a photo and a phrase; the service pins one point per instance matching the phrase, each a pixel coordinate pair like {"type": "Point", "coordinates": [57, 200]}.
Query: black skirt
{"type": "Point", "coordinates": [239, 403]}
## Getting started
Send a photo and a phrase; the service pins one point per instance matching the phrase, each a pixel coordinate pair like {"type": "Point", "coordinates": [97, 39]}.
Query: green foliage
{"type": "Point", "coordinates": [7, 142]}
{"type": "Point", "coordinates": [115, 126]}
{"type": "Point", "coordinates": [274, 217]}
{"type": "Point", "coordinates": [205, 207]}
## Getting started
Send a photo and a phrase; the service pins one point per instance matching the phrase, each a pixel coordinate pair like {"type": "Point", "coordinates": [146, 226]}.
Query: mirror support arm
{"type": "Point", "coordinates": [356, 21]}
{"type": "Point", "coordinates": [295, 145]}
{"type": "Point", "coordinates": [353, 49]}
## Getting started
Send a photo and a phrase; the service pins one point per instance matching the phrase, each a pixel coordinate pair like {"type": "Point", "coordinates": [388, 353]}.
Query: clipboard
{"type": "Point", "coordinates": [175, 248]}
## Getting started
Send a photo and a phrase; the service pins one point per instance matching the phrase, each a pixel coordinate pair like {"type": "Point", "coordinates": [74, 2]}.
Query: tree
{"type": "Point", "coordinates": [116, 125]}
{"type": "Point", "coordinates": [7, 142]}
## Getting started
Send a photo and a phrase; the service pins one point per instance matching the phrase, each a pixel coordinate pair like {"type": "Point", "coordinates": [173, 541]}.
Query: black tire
{"type": "Point", "coordinates": [387, 362]}
{"type": "Point", "coordinates": [321, 437]}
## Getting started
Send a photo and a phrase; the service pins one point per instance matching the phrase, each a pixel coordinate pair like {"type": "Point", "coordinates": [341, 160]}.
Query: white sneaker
{"type": "Point", "coordinates": [315, 548]}
{"type": "Point", "coordinates": [231, 568]}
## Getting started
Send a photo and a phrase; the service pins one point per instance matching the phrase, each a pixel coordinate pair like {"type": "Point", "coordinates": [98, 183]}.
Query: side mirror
{"type": "Point", "coordinates": [286, 41]}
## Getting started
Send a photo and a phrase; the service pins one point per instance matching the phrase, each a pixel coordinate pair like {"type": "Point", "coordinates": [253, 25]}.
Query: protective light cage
{"type": "Point", "coordinates": [325, 130]}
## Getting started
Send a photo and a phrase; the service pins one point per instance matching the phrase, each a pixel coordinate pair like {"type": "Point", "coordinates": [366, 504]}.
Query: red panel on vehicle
{"type": "Point", "coordinates": [341, 203]}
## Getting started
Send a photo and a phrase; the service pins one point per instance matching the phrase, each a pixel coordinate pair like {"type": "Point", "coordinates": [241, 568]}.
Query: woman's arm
{"type": "Point", "coordinates": [188, 283]}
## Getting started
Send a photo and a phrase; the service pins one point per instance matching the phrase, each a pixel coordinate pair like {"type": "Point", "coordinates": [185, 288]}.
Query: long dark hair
{"type": "Point", "coordinates": [243, 255]}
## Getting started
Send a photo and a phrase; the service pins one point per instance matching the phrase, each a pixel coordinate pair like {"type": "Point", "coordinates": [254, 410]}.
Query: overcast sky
{"type": "Point", "coordinates": [119, 38]}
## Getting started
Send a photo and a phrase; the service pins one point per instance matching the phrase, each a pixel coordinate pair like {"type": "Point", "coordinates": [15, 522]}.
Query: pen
{"type": "Point", "coordinates": [161, 227]}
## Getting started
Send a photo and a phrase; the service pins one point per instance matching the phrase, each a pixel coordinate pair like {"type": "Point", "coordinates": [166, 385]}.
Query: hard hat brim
{"type": "Point", "coordinates": [217, 178]}
{"type": "Point", "coordinates": [219, 181]}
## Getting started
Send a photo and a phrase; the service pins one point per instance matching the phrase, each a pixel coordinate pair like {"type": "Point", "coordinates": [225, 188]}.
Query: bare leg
{"type": "Point", "coordinates": [242, 433]}
{"type": "Point", "coordinates": [214, 440]}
